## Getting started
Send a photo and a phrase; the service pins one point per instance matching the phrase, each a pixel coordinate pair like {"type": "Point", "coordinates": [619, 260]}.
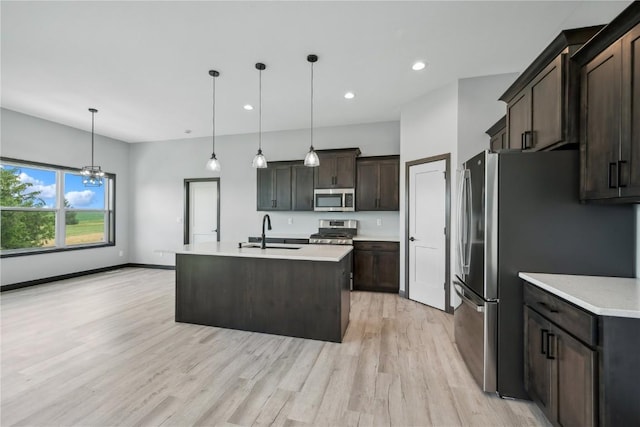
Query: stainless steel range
{"type": "Point", "coordinates": [335, 232]}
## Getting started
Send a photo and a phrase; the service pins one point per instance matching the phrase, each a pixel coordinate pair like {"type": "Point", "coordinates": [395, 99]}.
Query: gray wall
{"type": "Point", "coordinates": [479, 109]}
{"type": "Point", "coordinates": [452, 119]}
{"type": "Point", "coordinates": [29, 138]}
{"type": "Point", "coordinates": [159, 170]}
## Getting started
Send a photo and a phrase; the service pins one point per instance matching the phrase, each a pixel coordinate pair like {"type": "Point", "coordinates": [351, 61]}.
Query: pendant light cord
{"type": "Point", "coordinates": [260, 111]}
{"type": "Point", "coordinates": [93, 115]}
{"type": "Point", "coordinates": [213, 119]}
{"type": "Point", "coordinates": [311, 106]}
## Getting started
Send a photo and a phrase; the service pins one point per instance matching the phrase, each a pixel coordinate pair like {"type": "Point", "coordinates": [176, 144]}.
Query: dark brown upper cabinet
{"type": "Point", "coordinates": [274, 187]}
{"type": "Point", "coordinates": [337, 168]}
{"type": "Point", "coordinates": [543, 102]}
{"type": "Point", "coordinates": [378, 183]}
{"type": "Point", "coordinates": [498, 135]}
{"type": "Point", "coordinates": [284, 186]}
{"type": "Point", "coordinates": [610, 111]}
{"type": "Point", "coordinates": [302, 187]}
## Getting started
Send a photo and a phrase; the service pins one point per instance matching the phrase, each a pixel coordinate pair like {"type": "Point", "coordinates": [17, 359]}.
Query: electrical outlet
{"type": "Point", "coordinates": [379, 222]}
{"type": "Point", "coordinates": [290, 221]}
{"type": "Point", "coordinates": [121, 253]}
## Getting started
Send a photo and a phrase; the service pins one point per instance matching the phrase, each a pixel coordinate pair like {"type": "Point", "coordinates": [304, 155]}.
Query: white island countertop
{"type": "Point", "coordinates": [331, 253]}
{"type": "Point", "coordinates": [605, 296]}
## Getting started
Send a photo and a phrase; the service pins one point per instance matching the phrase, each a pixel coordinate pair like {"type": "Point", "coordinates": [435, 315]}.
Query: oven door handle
{"type": "Point", "coordinates": [460, 291]}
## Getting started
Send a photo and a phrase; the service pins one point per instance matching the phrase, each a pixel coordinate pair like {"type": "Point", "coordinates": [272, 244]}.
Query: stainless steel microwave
{"type": "Point", "coordinates": [334, 200]}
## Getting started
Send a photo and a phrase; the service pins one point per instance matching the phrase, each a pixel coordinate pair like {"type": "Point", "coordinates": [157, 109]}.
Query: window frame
{"type": "Point", "coordinates": [60, 211]}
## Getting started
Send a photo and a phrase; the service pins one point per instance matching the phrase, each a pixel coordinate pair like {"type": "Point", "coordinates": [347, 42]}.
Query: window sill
{"type": "Point", "coordinates": [53, 250]}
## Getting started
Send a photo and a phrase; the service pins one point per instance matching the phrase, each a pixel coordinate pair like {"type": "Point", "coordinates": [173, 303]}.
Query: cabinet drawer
{"type": "Point", "coordinates": [574, 320]}
{"type": "Point", "coordinates": [376, 246]}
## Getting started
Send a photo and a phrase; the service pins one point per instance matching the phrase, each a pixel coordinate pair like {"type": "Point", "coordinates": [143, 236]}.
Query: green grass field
{"type": "Point", "coordinates": [89, 229]}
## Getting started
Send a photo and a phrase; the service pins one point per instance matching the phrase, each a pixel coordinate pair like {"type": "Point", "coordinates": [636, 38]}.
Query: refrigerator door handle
{"type": "Point", "coordinates": [477, 307]}
{"type": "Point", "coordinates": [459, 222]}
{"type": "Point", "coordinates": [468, 221]}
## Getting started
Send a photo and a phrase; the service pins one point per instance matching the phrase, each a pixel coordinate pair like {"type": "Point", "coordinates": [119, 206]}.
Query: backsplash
{"type": "Point", "coordinates": [306, 223]}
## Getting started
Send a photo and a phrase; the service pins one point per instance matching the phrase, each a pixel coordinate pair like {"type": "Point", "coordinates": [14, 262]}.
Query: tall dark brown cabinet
{"type": "Point", "coordinates": [610, 111]}
{"type": "Point", "coordinates": [543, 102]}
{"type": "Point", "coordinates": [377, 184]}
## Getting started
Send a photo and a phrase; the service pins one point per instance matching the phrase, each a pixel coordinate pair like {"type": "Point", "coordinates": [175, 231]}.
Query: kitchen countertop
{"type": "Point", "coordinates": [605, 296]}
{"type": "Point", "coordinates": [365, 237]}
{"type": "Point", "coordinates": [332, 253]}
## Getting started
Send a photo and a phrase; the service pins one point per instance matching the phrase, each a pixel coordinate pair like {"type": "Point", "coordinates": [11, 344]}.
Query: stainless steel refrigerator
{"type": "Point", "coordinates": [520, 212]}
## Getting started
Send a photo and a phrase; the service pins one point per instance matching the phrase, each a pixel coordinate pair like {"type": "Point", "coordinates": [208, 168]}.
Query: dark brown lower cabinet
{"type": "Point", "coordinates": [580, 368]}
{"type": "Point", "coordinates": [560, 373]}
{"type": "Point", "coordinates": [376, 266]}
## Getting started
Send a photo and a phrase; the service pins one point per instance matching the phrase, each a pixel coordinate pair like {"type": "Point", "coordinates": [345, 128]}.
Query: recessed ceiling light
{"type": "Point", "coordinates": [248, 107]}
{"type": "Point", "coordinates": [418, 66]}
{"type": "Point", "coordinates": [349, 95]}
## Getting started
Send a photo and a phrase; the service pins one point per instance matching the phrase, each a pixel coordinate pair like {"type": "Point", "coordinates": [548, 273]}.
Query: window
{"type": "Point", "coordinates": [47, 208]}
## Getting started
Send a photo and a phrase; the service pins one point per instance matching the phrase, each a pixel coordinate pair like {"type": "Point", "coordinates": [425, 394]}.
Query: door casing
{"type": "Point", "coordinates": [447, 158]}
{"type": "Point", "coordinates": [187, 202]}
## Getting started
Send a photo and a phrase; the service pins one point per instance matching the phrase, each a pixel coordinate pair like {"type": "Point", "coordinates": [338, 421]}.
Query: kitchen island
{"type": "Point", "coordinates": [294, 290]}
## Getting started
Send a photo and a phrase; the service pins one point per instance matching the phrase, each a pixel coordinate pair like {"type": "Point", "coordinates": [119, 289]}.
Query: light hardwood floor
{"type": "Point", "coordinates": [105, 350]}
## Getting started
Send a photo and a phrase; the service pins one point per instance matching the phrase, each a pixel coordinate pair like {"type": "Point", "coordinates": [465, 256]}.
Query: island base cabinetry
{"type": "Point", "coordinates": [298, 298]}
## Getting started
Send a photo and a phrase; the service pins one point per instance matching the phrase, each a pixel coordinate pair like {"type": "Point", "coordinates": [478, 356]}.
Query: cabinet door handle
{"type": "Point", "coordinates": [612, 166]}
{"type": "Point", "coordinates": [522, 140]}
{"type": "Point", "coordinates": [527, 139]}
{"type": "Point", "coordinates": [543, 341]}
{"type": "Point", "coordinates": [620, 163]}
{"type": "Point", "coordinates": [549, 355]}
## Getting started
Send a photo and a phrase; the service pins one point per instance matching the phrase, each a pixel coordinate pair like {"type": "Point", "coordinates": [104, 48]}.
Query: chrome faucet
{"type": "Point", "coordinates": [264, 239]}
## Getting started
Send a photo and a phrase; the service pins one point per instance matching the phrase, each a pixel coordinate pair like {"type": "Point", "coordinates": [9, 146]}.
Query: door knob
{"type": "Point", "coordinates": [413, 239]}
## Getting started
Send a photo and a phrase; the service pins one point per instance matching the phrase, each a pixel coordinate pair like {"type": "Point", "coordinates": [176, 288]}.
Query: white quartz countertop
{"type": "Point", "coordinates": [331, 253]}
{"type": "Point", "coordinates": [369, 238]}
{"type": "Point", "coordinates": [605, 296]}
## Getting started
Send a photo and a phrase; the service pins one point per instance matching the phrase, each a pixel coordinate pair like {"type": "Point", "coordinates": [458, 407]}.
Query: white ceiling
{"type": "Point", "coordinates": [144, 65]}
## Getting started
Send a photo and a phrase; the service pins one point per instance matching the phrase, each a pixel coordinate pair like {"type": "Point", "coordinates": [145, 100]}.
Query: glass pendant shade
{"type": "Point", "coordinates": [213, 164]}
{"type": "Point", "coordinates": [311, 159]}
{"type": "Point", "coordinates": [92, 176]}
{"type": "Point", "coordinates": [259, 161]}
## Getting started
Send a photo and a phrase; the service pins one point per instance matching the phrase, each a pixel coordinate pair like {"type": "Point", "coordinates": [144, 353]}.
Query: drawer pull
{"type": "Point", "coordinates": [547, 307]}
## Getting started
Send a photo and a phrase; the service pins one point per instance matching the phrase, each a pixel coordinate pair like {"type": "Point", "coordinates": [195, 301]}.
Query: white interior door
{"type": "Point", "coordinates": [427, 234]}
{"type": "Point", "coordinates": [203, 211]}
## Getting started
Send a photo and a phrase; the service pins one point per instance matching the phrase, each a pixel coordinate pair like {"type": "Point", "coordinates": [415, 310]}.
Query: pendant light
{"type": "Point", "coordinates": [311, 159]}
{"type": "Point", "coordinates": [92, 175]}
{"type": "Point", "coordinates": [259, 161]}
{"type": "Point", "coordinates": [213, 164]}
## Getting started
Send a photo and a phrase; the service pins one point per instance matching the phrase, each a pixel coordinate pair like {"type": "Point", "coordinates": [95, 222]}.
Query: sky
{"type": "Point", "coordinates": [75, 192]}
